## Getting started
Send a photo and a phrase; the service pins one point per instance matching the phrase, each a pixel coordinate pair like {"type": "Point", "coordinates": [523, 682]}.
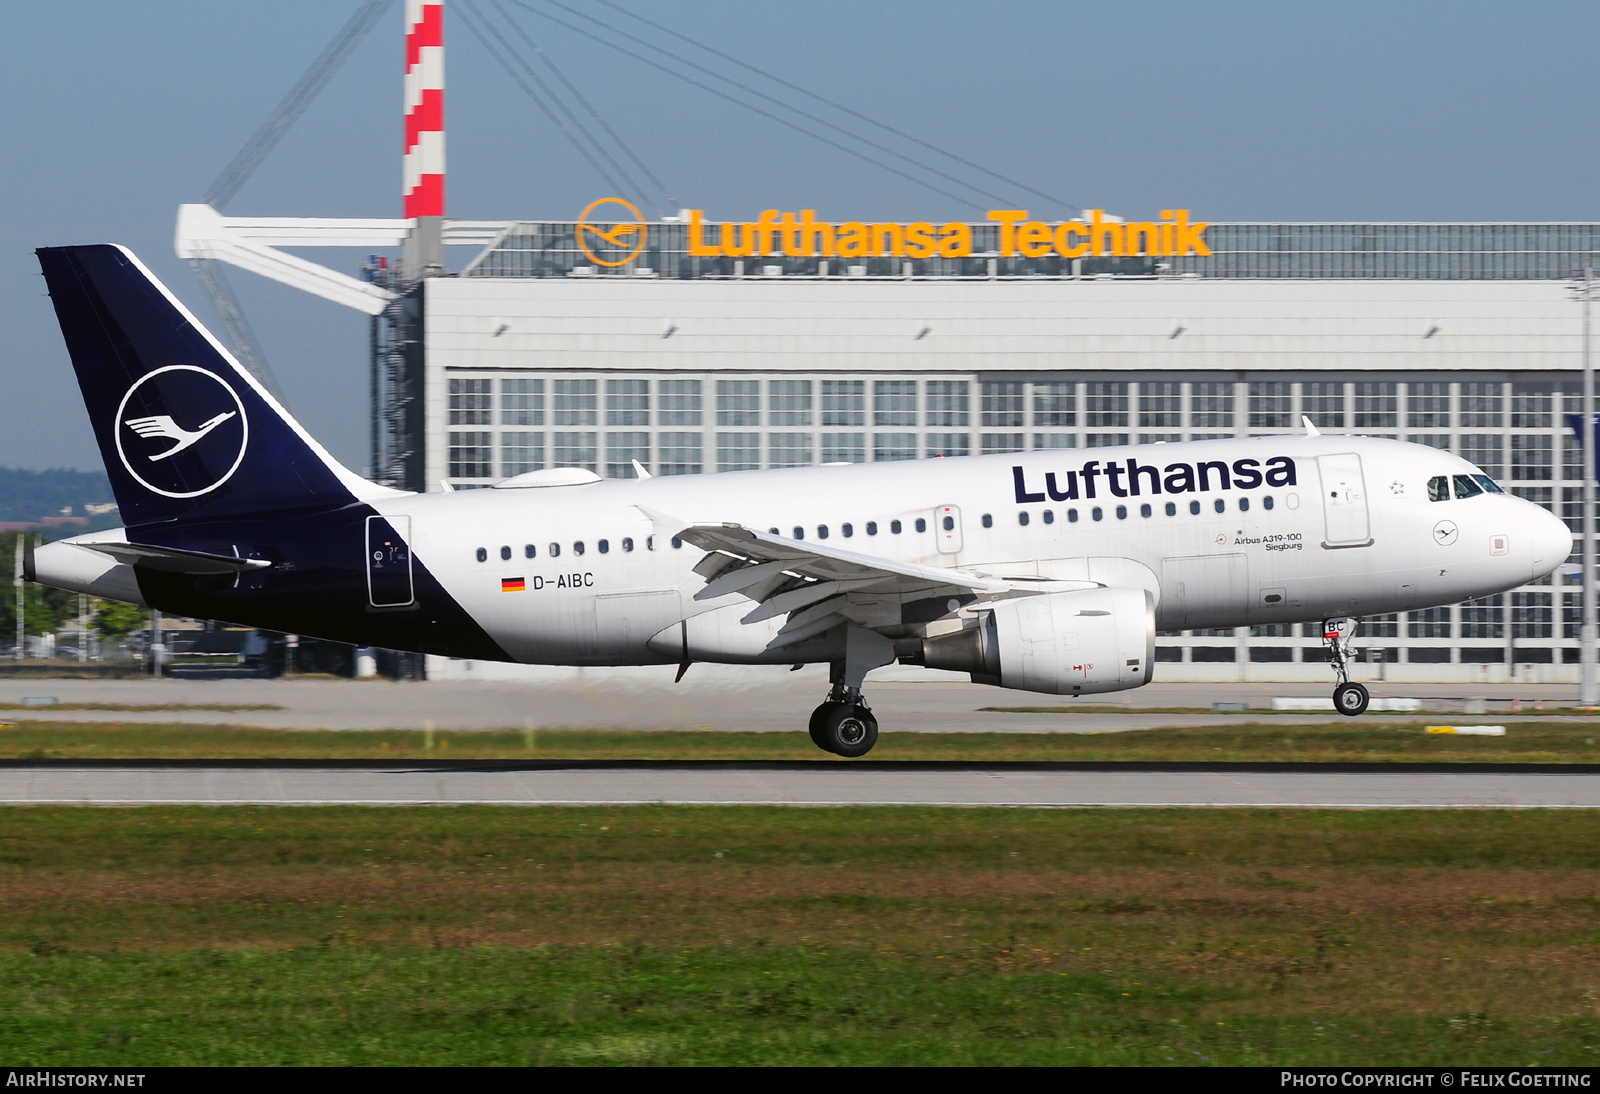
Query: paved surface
{"type": "Point", "coordinates": [710, 697]}
{"type": "Point", "coordinates": [788, 784]}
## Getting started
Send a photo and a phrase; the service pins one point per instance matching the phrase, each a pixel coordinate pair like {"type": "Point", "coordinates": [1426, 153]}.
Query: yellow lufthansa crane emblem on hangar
{"type": "Point", "coordinates": [625, 237]}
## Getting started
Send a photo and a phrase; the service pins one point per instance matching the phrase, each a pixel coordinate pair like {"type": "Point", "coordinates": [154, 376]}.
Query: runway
{"type": "Point", "coordinates": [821, 783]}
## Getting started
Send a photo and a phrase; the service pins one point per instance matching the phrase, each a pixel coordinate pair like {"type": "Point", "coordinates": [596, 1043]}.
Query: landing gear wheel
{"type": "Point", "coordinates": [819, 718]}
{"type": "Point", "coordinates": [1350, 699]}
{"type": "Point", "coordinates": [847, 729]}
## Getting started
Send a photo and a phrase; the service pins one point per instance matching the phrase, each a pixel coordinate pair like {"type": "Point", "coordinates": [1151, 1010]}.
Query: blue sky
{"type": "Point", "coordinates": [1238, 111]}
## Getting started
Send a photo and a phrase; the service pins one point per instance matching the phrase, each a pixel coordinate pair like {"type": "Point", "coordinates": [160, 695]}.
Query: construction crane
{"type": "Point", "coordinates": [236, 328]}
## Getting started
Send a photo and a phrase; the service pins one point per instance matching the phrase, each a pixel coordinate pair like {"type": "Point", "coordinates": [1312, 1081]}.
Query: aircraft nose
{"type": "Point", "coordinates": [1552, 542]}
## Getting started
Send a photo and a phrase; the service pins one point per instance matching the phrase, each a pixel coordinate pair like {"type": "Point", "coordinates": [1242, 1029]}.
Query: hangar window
{"type": "Point", "coordinates": [505, 552]}
{"type": "Point", "coordinates": [922, 525]}
{"type": "Point", "coordinates": [470, 402]}
{"type": "Point", "coordinates": [1220, 506]}
{"type": "Point", "coordinates": [627, 543]}
{"type": "Point", "coordinates": [1049, 516]}
{"type": "Point", "coordinates": [483, 554]}
{"type": "Point", "coordinates": [1172, 510]}
{"type": "Point", "coordinates": [577, 547]}
{"type": "Point", "coordinates": [555, 550]}
{"type": "Point", "coordinates": [1194, 507]}
{"type": "Point", "coordinates": [894, 527]}
{"type": "Point", "coordinates": [528, 551]}
{"type": "Point", "coordinates": [1097, 513]}
{"type": "Point", "coordinates": [604, 546]}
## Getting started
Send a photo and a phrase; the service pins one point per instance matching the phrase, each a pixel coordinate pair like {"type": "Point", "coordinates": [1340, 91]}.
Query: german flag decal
{"type": "Point", "coordinates": [513, 585]}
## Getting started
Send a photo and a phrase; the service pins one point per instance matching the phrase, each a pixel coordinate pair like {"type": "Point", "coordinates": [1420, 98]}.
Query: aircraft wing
{"type": "Point", "coordinates": [819, 586]}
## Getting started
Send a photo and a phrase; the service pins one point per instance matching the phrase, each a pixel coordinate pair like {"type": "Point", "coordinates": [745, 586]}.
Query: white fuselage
{"type": "Point", "coordinates": [1353, 534]}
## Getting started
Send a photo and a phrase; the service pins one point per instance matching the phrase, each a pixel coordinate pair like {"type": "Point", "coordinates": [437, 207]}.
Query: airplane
{"type": "Point", "coordinates": [1045, 571]}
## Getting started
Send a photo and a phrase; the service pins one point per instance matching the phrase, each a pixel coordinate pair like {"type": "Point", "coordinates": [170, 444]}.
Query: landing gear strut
{"type": "Point", "coordinates": [844, 724]}
{"type": "Point", "coordinates": [1349, 699]}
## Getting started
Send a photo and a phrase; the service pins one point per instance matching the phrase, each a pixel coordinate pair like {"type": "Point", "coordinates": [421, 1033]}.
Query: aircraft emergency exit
{"type": "Point", "coordinates": [1046, 571]}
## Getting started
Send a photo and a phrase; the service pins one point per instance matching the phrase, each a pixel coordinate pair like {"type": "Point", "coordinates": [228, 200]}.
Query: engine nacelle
{"type": "Point", "coordinates": [1073, 643]}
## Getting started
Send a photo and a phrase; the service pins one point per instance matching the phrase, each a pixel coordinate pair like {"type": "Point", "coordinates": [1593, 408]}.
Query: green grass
{"type": "Point", "coordinates": [134, 937]}
{"type": "Point", "coordinates": [1363, 740]}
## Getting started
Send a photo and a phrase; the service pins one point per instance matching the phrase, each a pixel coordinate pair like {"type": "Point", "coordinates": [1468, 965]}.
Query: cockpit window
{"type": "Point", "coordinates": [1466, 487]}
{"type": "Point", "coordinates": [1488, 484]}
{"type": "Point", "coordinates": [1439, 488]}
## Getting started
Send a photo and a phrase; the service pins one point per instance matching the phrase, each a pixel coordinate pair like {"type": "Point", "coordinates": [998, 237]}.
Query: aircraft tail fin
{"type": "Point", "coordinates": [183, 428]}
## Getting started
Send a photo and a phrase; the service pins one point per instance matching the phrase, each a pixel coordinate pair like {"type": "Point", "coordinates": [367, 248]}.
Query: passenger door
{"type": "Point", "coordinates": [1344, 501]}
{"type": "Point", "coordinates": [389, 562]}
{"type": "Point", "coordinates": [947, 529]}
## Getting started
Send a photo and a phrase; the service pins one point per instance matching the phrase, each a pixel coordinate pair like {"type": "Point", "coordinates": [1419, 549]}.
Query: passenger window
{"type": "Point", "coordinates": [1022, 518]}
{"type": "Point", "coordinates": [1144, 510]}
{"type": "Point", "coordinates": [1172, 510]}
{"type": "Point", "coordinates": [627, 543]}
{"type": "Point", "coordinates": [1244, 505]}
{"type": "Point", "coordinates": [555, 550]}
{"type": "Point", "coordinates": [922, 525]}
{"type": "Point", "coordinates": [847, 530]}
{"type": "Point", "coordinates": [528, 551]}
{"type": "Point", "coordinates": [774, 531]}
{"type": "Point", "coordinates": [483, 554]}
{"type": "Point", "coordinates": [676, 542]}
{"type": "Point", "coordinates": [799, 532]}
{"type": "Point", "coordinates": [1194, 508]}
{"type": "Point", "coordinates": [577, 548]}
{"type": "Point", "coordinates": [649, 543]}
{"type": "Point", "coordinates": [872, 527]}
{"type": "Point", "coordinates": [1049, 516]}
{"type": "Point", "coordinates": [1466, 487]}
{"type": "Point", "coordinates": [822, 531]}
{"type": "Point", "coordinates": [1266, 502]}
{"type": "Point", "coordinates": [1072, 516]}
{"type": "Point", "coordinates": [1220, 505]}
{"type": "Point", "coordinates": [950, 522]}
{"type": "Point", "coordinates": [894, 527]}
{"type": "Point", "coordinates": [1097, 513]}
{"type": "Point", "coordinates": [1122, 512]}
{"type": "Point", "coordinates": [603, 546]}
{"type": "Point", "coordinates": [505, 553]}
{"type": "Point", "coordinates": [1439, 488]}
{"type": "Point", "coordinates": [1488, 484]}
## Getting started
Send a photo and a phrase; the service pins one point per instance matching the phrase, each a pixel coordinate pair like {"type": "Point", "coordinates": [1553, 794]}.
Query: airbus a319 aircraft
{"type": "Point", "coordinates": [1045, 571]}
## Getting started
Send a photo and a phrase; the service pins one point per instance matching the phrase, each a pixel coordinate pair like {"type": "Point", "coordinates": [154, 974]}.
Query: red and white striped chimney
{"type": "Point", "coordinates": [423, 175]}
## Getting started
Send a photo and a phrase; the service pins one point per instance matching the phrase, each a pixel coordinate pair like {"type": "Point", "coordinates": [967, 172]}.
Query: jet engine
{"type": "Point", "coordinates": [1071, 643]}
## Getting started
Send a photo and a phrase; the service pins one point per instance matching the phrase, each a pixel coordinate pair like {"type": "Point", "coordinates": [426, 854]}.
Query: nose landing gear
{"type": "Point", "coordinates": [1349, 699]}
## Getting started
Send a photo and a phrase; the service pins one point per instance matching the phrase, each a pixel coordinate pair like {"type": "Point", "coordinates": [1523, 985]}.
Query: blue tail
{"type": "Point", "coordinates": [184, 431]}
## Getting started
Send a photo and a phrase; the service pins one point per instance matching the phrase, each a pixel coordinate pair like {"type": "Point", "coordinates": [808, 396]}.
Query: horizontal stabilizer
{"type": "Point", "coordinates": [171, 560]}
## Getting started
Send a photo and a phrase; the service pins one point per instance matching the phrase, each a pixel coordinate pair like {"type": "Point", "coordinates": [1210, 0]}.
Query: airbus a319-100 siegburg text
{"type": "Point", "coordinates": [1045, 571]}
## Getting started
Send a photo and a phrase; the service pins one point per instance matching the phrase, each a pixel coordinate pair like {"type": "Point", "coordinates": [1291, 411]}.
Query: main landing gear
{"type": "Point", "coordinates": [1349, 699]}
{"type": "Point", "coordinates": [844, 724]}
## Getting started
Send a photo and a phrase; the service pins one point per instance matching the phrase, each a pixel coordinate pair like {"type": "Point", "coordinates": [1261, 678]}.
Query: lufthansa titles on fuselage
{"type": "Point", "coordinates": [1131, 479]}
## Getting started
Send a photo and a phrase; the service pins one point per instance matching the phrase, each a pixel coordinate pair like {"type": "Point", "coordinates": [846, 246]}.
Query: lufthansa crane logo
{"type": "Point", "coordinates": [181, 431]}
{"type": "Point", "coordinates": [613, 237]}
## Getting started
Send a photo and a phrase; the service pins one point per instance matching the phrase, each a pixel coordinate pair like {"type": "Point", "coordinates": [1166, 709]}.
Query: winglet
{"type": "Point", "coordinates": [1311, 430]}
{"type": "Point", "coordinates": [638, 469]}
